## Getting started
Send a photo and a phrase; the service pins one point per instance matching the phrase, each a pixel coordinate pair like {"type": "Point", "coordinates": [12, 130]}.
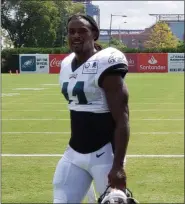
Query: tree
{"type": "Point", "coordinates": [181, 44]}
{"type": "Point", "coordinates": [6, 41]}
{"type": "Point", "coordinates": [161, 37]}
{"type": "Point", "coordinates": [65, 9]}
{"type": "Point", "coordinates": [117, 44]}
{"type": "Point", "coordinates": [30, 23]}
{"type": "Point", "coordinates": [103, 44]}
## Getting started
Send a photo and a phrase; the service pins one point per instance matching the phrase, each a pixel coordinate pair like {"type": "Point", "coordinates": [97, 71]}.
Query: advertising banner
{"type": "Point", "coordinates": [176, 62]}
{"type": "Point", "coordinates": [55, 62]}
{"type": "Point", "coordinates": [132, 62]}
{"type": "Point", "coordinates": [34, 63]}
{"type": "Point", "coordinates": [152, 62]}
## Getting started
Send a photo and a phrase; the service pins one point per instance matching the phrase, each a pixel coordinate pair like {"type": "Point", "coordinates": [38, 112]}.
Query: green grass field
{"type": "Point", "coordinates": [32, 124]}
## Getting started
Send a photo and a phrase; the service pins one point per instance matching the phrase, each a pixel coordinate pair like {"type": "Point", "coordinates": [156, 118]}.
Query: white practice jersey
{"type": "Point", "coordinates": [81, 87]}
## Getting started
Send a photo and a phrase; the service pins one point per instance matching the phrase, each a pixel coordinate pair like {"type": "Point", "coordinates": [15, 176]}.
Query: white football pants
{"type": "Point", "coordinates": [75, 172]}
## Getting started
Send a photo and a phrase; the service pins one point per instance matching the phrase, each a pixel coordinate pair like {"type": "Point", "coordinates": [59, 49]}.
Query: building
{"type": "Point", "coordinates": [91, 9]}
{"type": "Point", "coordinates": [136, 40]}
{"type": "Point", "coordinates": [174, 21]}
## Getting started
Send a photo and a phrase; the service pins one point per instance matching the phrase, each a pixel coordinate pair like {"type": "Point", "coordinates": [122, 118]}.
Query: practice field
{"type": "Point", "coordinates": [36, 129]}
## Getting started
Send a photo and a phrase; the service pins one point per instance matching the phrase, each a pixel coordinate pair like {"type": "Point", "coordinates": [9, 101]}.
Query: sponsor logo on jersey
{"type": "Point", "coordinates": [90, 67]}
{"type": "Point", "coordinates": [87, 65]}
{"type": "Point", "coordinates": [114, 58]}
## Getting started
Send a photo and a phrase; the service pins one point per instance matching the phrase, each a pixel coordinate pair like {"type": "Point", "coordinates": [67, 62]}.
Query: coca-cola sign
{"type": "Point", "coordinates": [55, 62]}
{"type": "Point", "coordinates": [132, 62]}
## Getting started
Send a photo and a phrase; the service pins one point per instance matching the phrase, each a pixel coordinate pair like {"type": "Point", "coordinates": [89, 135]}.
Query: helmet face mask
{"type": "Point", "coordinates": [117, 196]}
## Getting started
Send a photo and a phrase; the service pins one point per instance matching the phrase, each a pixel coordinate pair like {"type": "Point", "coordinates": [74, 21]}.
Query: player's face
{"type": "Point", "coordinates": [80, 36]}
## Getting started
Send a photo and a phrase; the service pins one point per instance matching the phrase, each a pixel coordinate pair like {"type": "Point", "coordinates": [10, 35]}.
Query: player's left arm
{"type": "Point", "coordinates": [117, 96]}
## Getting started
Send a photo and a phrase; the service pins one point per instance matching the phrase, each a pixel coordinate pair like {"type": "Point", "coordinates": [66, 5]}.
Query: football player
{"type": "Point", "coordinates": [92, 81]}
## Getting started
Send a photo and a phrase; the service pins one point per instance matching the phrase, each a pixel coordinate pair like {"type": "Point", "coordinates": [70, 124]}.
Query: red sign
{"type": "Point", "coordinates": [132, 62]}
{"type": "Point", "coordinates": [152, 62]}
{"type": "Point", "coordinates": [55, 62]}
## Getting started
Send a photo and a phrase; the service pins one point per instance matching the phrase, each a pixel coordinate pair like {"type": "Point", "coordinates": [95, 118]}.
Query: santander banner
{"type": "Point", "coordinates": [152, 62]}
{"type": "Point", "coordinates": [132, 62]}
{"type": "Point", "coordinates": [54, 62]}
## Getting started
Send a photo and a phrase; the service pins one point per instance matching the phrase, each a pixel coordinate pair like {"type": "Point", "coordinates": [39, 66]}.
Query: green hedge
{"type": "Point", "coordinates": [163, 50]}
{"type": "Point", "coordinates": [10, 59]}
{"type": "Point", "coordinates": [6, 53]}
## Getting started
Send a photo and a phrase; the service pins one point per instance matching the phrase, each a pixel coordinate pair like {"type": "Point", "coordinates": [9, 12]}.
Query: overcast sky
{"type": "Point", "coordinates": [136, 11]}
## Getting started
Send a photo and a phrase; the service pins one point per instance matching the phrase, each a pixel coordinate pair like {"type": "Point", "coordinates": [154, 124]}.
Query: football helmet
{"type": "Point", "coordinates": [117, 196]}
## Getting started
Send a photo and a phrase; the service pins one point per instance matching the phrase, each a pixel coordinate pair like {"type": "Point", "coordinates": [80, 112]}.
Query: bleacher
{"type": "Point", "coordinates": [177, 27]}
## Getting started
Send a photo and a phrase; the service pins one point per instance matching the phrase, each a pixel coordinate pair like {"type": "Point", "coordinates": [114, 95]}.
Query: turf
{"type": "Point", "coordinates": [31, 124]}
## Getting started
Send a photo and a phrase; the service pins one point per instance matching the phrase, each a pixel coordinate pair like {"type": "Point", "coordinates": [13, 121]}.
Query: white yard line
{"type": "Point", "coordinates": [128, 156]}
{"type": "Point", "coordinates": [50, 84]}
{"type": "Point", "coordinates": [35, 119]}
{"type": "Point", "coordinates": [58, 110]}
{"type": "Point", "coordinates": [34, 93]}
{"type": "Point", "coordinates": [156, 103]}
{"type": "Point", "coordinates": [43, 103]}
{"type": "Point", "coordinates": [66, 119]}
{"type": "Point", "coordinates": [160, 119]}
{"type": "Point", "coordinates": [35, 103]}
{"type": "Point", "coordinates": [48, 93]}
{"type": "Point", "coordinates": [53, 133]}
{"type": "Point", "coordinates": [38, 110]}
{"type": "Point", "coordinates": [132, 133]}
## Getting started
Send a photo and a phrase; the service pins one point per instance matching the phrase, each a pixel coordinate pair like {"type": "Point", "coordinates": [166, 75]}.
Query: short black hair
{"type": "Point", "coordinates": [89, 19]}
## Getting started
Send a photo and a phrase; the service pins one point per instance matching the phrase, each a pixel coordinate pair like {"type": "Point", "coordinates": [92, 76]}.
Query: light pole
{"type": "Point", "coordinates": [111, 25]}
{"type": "Point", "coordinates": [120, 38]}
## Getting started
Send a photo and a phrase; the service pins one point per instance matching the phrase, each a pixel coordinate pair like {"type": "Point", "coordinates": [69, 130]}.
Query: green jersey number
{"type": "Point", "coordinates": [78, 91]}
